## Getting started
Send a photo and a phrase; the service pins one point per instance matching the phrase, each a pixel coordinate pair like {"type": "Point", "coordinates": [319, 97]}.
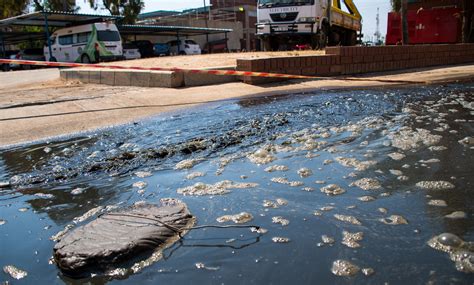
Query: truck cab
{"type": "Point", "coordinates": [284, 24]}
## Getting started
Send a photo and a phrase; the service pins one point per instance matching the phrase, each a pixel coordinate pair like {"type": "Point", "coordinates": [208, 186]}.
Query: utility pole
{"type": "Point", "coordinates": [405, 36]}
{"type": "Point", "coordinates": [377, 32]}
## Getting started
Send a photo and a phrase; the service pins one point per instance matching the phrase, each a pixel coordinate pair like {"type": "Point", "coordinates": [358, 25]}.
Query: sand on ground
{"type": "Point", "coordinates": [39, 111]}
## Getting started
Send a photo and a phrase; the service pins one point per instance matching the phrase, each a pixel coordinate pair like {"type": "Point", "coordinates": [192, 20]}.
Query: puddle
{"type": "Point", "coordinates": [389, 169]}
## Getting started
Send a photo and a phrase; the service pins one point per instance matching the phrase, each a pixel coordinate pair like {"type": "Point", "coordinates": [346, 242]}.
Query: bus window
{"type": "Point", "coordinates": [108, 36]}
{"type": "Point", "coordinates": [83, 37]}
{"type": "Point", "coordinates": [66, 40]}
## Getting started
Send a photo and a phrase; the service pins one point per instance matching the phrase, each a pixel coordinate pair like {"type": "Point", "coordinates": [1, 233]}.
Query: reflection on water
{"type": "Point", "coordinates": [343, 168]}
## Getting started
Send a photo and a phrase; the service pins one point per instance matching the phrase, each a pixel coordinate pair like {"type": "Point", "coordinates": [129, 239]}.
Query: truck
{"type": "Point", "coordinates": [286, 24]}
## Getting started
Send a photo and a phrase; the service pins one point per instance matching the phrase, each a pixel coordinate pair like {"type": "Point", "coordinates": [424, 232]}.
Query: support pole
{"type": "Point", "coordinates": [2, 41]}
{"type": "Point", "coordinates": [46, 27]}
{"type": "Point", "coordinates": [207, 43]}
{"type": "Point", "coordinates": [226, 45]}
{"type": "Point", "coordinates": [405, 39]}
{"type": "Point", "coordinates": [179, 42]}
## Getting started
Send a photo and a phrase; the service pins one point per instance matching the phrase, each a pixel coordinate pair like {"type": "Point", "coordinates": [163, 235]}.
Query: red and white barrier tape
{"type": "Point", "coordinates": [194, 71]}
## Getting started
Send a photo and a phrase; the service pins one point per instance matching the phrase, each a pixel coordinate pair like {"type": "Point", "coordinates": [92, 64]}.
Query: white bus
{"type": "Point", "coordinates": [85, 43]}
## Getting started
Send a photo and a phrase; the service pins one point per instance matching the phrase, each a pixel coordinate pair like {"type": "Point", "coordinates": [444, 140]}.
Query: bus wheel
{"type": "Point", "coordinates": [85, 59]}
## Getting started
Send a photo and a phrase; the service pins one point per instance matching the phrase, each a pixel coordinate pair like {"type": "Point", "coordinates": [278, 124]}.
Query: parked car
{"type": "Point", "coordinates": [85, 43]}
{"type": "Point", "coordinates": [145, 47]}
{"type": "Point", "coordinates": [7, 55]}
{"type": "Point", "coordinates": [183, 47]}
{"type": "Point", "coordinates": [27, 54]}
{"type": "Point", "coordinates": [131, 51]}
{"type": "Point", "coordinates": [161, 49]}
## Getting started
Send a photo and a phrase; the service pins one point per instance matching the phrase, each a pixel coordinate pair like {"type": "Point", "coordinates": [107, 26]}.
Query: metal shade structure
{"type": "Point", "coordinates": [56, 19]}
{"type": "Point", "coordinates": [169, 30]}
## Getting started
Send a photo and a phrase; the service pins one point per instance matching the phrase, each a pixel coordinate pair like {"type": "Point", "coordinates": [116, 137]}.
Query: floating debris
{"type": "Point", "coordinates": [14, 272]}
{"type": "Point", "coordinates": [348, 219]}
{"type": "Point", "coordinates": [394, 220]}
{"type": "Point", "coordinates": [77, 191]}
{"type": "Point", "coordinates": [261, 156]}
{"type": "Point", "coordinates": [382, 210]}
{"type": "Point", "coordinates": [438, 203]}
{"type": "Point", "coordinates": [456, 215]}
{"type": "Point", "coordinates": [44, 196]}
{"type": "Point", "coordinates": [407, 138]}
{"type": "Point", "coordinates": [356, 164]}
{"type": "Point", "coordinates": [437, 148]}
{"type": "Point", "coordinates": [460, 252]}
{"type": "Point", "coordinates": [276, 168]}
{"type": "Point", "coordinates": [140, 184]}
{"type": "Point", "coordinates": [403, 178]}
{"type": "Point", "coordinates": [396, 156]}
{"type": "Point", "coordinates": [320, 182]}
{"type": "Point", "coordinates": [351, 239]}
{"type": "Point", "coordinates": [308, 189]}
{"type": "Point", "coordinates": [367, 184]}
{"type": "Point", "coordinates": [332, 190]}
{"type": "Point", "coordinates": [435, 185]}
{"type": "Point", "coordinates": [467, 141]}
{"type": "Point", "coordinates": [201, 265]}
{"type": "Point", "coordinates": [143, 174]}
{"type": "Point", "coordinates": [368, 271]}
{"type": "Point", "coordinates": [193, 175]}
{"type": "Point", "coordinates": [283, 180]}
{"type": "Point", "coordinates": [280, 240]}
{"type": "Point", "coordinates": [344, 268]}
{"type": "Point", "coordinates": [327, 208]}
{"type": "Point", "coordinates": [366, 198]}
{"type": "Point", "coordinates": [280, 220]}
{"type": "Point", "coordinates": [2, 222]}
{"type": "Point", "coordinates": [396, 172]}
{"type": "Point", "coordinates": [328, 240]}
{"type": "Point", "coordinates": [305, 172]}
{"type": "Point", "coordinates": [432, 160]}
{"type": "Point", "coordinates": [240, 218]}
{"type": "Point", "coordinates": [24, 209]}
{"type": "Point", "coordinates": [219, 188]}
{"type": "Point", "coordinates": [258, 230]}
{"type": "Point", "coordinates": [328, 161]}
{"type": "Point", "coordinates": [186, 164]}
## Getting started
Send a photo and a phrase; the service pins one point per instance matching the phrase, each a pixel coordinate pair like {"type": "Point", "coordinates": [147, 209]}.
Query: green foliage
{"type": "Point", "coordinates": [11, 8]}
{"type": "Point", "coordinates": [55, 5]}
{"type": "Point", "coordinates": [396, 5]}
{"type": "Point", "coordinates": [130, 9]}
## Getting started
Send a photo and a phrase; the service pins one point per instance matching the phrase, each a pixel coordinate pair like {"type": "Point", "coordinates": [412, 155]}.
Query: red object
{"type": "Point", "coordinates": [426, 26]}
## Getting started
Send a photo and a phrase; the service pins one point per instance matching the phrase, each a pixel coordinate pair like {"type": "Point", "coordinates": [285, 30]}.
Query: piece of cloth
{"type": "Point", "coordinates": [121, 235]}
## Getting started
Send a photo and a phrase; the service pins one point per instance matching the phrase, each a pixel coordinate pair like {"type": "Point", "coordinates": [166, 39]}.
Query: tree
{"type": "Point", "coordinates": [129, 9]}
{"type": "Point", "coordinates": [396, 5]}
{"type": "Point", "coordinates": [11, 8]}
{"type": "Point", "coordinates": [55, 5]}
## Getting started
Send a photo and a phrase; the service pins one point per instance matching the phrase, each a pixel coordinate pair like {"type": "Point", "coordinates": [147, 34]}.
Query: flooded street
{"type": "Point", "coordinates": [347, 187]}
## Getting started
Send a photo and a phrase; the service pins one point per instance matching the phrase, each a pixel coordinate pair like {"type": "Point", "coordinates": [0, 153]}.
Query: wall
{"type": "Point", "coordinates": [357, 60]}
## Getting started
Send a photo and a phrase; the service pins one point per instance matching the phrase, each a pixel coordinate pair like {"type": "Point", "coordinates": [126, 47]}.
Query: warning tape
{"type": "Point", "coordinates": [201, 71]}
{"type": "Point", "coordinates": [193, 71]}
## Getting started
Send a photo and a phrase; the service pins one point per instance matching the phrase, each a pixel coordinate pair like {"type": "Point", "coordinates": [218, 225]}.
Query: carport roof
{"type": "Point", "coordinates": [168, 30]}
{"type": "Point", "coordinates": [56, 19]}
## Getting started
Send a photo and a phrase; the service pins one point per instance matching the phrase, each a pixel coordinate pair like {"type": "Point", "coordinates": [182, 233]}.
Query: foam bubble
{"type": "Point", "coordinates": [280, 220]}
{"type": "Point", "coordinates": [367, 184]}
{"type": "Point", "coordinates": [348, 219]}
{"type": "Point", "coordinates": [351, 239]}
{"type": "Point", "coordinates": [14, 272]}
{"type": "Point", "coordinates": [435, 185]}
{"type": "Point", "coordinates": [240, 218]}
{"type": "Point", "coordinates": [344, 268]}
{"type": "Point", "coordinates": [394, 220]}
{"type": "Point", "coordinates": [332, 190]}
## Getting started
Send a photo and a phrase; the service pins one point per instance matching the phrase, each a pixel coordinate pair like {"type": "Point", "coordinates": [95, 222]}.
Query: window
{"type": "Point", "coordinates": [108, 36]}
{"type": "Point", "coordinates": [66, 40]}
{"type": "Point", "coordinates": [190, 42]}
{"type": "Point", "coordinates": [83, 37]}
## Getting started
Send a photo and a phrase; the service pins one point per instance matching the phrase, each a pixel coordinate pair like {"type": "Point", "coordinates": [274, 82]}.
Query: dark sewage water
{"type": "Point", "coordinates": [350, 187]}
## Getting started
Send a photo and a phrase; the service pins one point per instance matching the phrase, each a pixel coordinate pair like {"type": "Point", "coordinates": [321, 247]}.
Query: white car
{"type": "Point", "coordinates": [130, 51]}
{"type": "Point", "coordinates": [184, 47]}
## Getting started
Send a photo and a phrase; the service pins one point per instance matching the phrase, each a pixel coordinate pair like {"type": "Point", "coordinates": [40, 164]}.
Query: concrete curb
{"type": "Point", "coordinates": [167, 79]}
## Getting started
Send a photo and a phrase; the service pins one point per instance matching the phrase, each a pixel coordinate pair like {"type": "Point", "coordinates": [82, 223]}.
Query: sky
{"type": "Point", "coordinates": [368, 9]}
